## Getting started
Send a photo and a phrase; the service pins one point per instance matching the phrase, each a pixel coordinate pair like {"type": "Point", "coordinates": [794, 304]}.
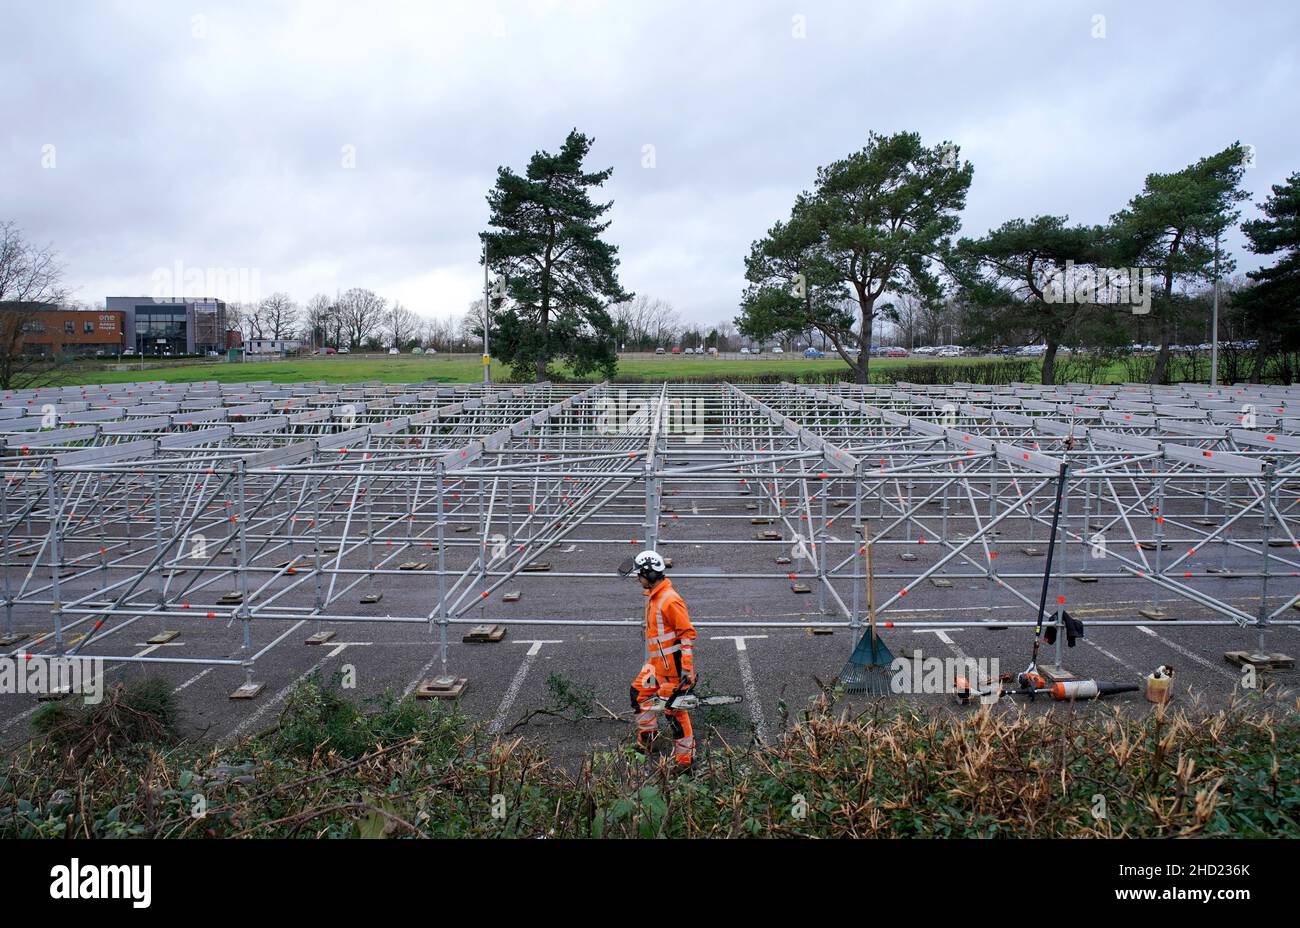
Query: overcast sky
{"type": "Point", "coordinates": [215, 134]}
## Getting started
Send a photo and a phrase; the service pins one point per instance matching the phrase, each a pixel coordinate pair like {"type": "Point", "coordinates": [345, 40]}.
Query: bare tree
{"type": "Point", "coordinates": [31, 279]}
{"type": "Point", "coordinates": [663, 324]}
{"type": "Point", "coordinates": [278, 313]}
{"type": "Point", "coordinates": [645, 322]}
{"type": "Point", "coordinates": [316, 320]}
{"type": "Point", "coordinates": [727, 338]}
{"type": "Point", "coordinates": [234, 318]}
{"type": "Point", "coordinates": [444, 333]}
{"type": "Point", "coordinates": [469, 328]}
{"type": "Point", "coordinates": [249, 316]}
{"type": "Point", "coordinates": [361, 313]}
{"type": "Point", "coordinates": [402, 326]}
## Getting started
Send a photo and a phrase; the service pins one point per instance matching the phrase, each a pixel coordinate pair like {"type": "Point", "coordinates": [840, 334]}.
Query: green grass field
{"type": "Point", "coordinates": [411, 369]}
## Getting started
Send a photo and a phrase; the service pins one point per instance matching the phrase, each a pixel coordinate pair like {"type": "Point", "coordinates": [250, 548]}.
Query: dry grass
{"type": "Point", "coordinates": [894, 771]}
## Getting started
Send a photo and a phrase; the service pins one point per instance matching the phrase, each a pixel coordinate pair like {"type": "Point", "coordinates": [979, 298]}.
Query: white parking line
{"type": "Point", "coordinates": [15, 719]}
{"type": "Point", "coordinates": [194, 679]}
{"type": "Point", "coordinates": [517, 683]}
{"type": "Point", "coordinates": [1119, 660]}
{"type": "Point", "coordinates": [276, 699]}
{"type": "Point", "coordinates": [747, 678]}
{"type": "Point", "coordinates": [943, 636]}
{"type": "Point", "coordinates": [340, 645]}
{"type": "Point", "coordinates": [421, 676]}
{"type": "Point", "coordinates": [1190, 655]}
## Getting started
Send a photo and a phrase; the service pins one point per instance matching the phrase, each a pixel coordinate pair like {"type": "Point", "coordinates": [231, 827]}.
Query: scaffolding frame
{"type": "Point", "coordinates": [152, 497]}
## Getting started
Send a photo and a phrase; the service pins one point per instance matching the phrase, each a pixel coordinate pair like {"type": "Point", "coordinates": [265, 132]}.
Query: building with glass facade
{"type": "Point", "coordinates": [155, 327]}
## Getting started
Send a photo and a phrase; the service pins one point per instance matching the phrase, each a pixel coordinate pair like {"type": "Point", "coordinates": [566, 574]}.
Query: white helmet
{"type": "Point", "coordinates": [647, 564]}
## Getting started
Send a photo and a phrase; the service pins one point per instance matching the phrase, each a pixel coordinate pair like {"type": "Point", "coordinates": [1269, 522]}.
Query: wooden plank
{"type": "Point", "coordinates": [1267, 661]}
{"type": "Point", "coordinates": [441, 688]}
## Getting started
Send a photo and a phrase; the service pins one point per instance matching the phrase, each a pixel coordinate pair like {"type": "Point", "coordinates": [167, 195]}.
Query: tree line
{"type": "Point", "coordinates": [876, 237]}
{"type": "Point", "coordinates": [358, 319]}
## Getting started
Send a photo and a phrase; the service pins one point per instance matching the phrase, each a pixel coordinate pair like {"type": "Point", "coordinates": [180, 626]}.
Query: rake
{"type": "Point", "coordinates": [867, 670]}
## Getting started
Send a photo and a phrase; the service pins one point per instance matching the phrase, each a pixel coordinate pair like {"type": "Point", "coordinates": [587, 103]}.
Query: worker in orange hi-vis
{"type": "Point", "coordinates": [670, 668]}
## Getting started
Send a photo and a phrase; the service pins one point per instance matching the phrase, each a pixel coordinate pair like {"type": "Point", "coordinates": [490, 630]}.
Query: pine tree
{"type": "Point", "coordinates": [561, 276]}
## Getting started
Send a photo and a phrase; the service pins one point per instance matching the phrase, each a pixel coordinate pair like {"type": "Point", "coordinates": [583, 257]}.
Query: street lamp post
{"type": "Point", "coordinates": [487, 319]}
{"type": "Point", "coordinates": [1214, 320]}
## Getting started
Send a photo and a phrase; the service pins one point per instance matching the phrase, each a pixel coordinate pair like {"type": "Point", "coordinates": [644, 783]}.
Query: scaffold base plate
{"type": "Point", "coordinates": [1271, 661]}
{"type": "Point", "coordinates": [248, 691]}
{"type": "Point", "coordinates": [1054, 674]}
{"type": "Point", "coordinates": [441, 688]}
{"type": "Point", "coordinates": [162, 637]}
{"type": "Point", "coordinates": [319, 638]}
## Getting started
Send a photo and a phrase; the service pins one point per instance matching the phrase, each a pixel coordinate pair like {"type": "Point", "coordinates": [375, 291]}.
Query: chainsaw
{"type": "Point", "coordinates": [685, 701]}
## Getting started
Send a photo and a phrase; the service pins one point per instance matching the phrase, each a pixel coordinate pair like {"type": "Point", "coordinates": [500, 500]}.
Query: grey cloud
{"type": "Point", "coordinates": [224, 150]}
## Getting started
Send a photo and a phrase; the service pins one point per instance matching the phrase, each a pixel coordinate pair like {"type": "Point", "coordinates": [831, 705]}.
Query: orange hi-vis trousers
{"type": "Point", "coordinates": [644, 689]}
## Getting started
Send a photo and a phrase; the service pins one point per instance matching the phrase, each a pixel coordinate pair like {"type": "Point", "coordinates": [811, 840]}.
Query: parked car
{"type": "Point", "coordinates": [677, 349]}
{"type": "Point", "coordinates": [895, 352]}
{"type": "Point", "coordinates": [778, 350]}
{"type": "Point", "coordinates": [343, 351]}
{"type": "Point", "coordinates": [393, 351]}
{"type": "Point", "coordinates": [949, 352]}
{"type": "Point", "coordinates": [744, 351]}
{"type": "Point", "coordinates": [689, 351]}
{"type": "Point", "coordinates": [813, 353]}
{"type": "Point", "coordinates": [130, 352]}
{"type": "Point", "coordinates": [659, 351]}
{"type": "Point", "coordinates": [713, 351]}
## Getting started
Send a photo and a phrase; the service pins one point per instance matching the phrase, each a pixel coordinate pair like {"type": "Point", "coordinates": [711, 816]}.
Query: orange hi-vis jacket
{"type": "Point", "coordinates": [669, 634]}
